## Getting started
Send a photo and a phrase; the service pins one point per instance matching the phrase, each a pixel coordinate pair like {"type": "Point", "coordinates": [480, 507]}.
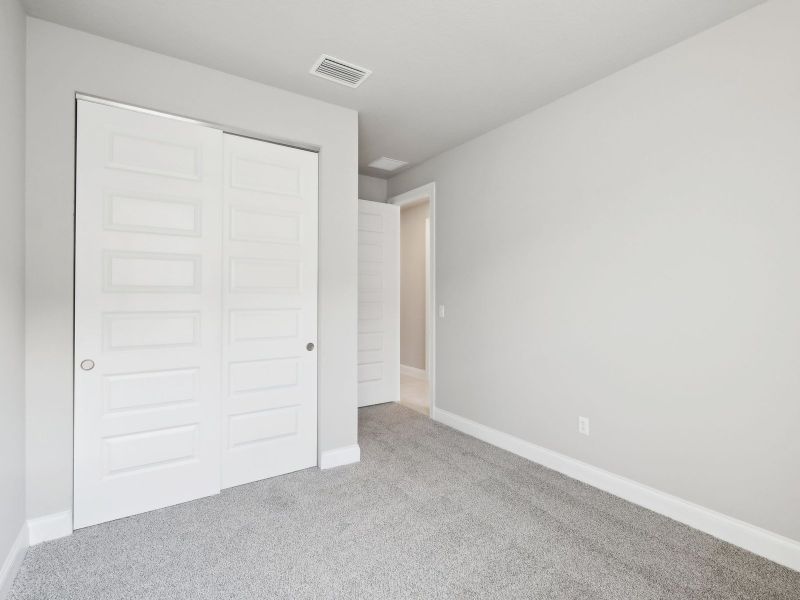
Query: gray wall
{"type": "Point", "coordinates": [62, 61]}
{"type": "Point", "coordinates": [12, 263]}
{"type": "Point", "coordinates": [372, 188]}
{"type": "Point", "coordinates": [631, 253]}
{"type": "Point", "coordinates": [412, 285]}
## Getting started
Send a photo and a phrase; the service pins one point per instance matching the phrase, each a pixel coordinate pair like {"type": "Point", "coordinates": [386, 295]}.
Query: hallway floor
{"type": "Point", "coordinates": [428, 513]}
{"type": "Point", "coordinates": [414, 394]}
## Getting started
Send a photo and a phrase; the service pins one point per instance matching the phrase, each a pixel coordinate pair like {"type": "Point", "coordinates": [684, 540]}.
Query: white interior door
{"type": "Point", "coordinates": [147, 312]}
{"type": "Point", "coordinates": [378, 303]}
{"type": "Point", "coordinates": [269, 310]}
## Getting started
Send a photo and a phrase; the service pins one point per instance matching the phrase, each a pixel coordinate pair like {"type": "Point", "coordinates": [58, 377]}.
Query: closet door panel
{"type": "Point", "coordinates": [269, 310]}
{"type": "Point", "coordinates": [147, 312]}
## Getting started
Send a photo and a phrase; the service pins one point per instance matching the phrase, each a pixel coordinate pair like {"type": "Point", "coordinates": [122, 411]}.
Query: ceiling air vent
{"type": "Point", "coordinates": [387, 164]}
{"type": "Point", "coordinates": [340, 71]}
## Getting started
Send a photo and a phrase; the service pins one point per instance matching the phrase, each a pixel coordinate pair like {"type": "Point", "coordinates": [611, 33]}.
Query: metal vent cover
{"type": "Point", "coordinates": [340, 71]}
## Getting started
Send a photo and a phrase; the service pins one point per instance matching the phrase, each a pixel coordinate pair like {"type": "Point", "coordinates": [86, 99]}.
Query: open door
{"type": "Point", "coordinates": [378, 303]}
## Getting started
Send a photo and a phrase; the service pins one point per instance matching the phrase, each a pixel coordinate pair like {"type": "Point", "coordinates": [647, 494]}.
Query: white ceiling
{"type": "Point", "coordinates": [444, 71]}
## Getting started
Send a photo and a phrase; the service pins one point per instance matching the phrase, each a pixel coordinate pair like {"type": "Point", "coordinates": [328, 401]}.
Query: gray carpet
{"type": "Point", "coordinates": [428, 513]}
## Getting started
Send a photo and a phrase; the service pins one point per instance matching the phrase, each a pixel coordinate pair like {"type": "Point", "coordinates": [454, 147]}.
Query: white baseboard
{"type": "Point", "coordinates": [773, 546]}
{"type": "Point", "coordinates": [340, 456]}
{"type": "Point", "coordinates": [49, 527]}
{"type": "Point", "coordinates": [413, 372]}
{"type": "Point", "coordinates": [13, 561]}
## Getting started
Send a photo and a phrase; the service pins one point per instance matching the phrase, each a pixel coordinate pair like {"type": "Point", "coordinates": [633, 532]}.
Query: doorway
{"type": "Point", "coordinates": [417, 298]}
{"type": "Point", "coordinates": [414, 236]}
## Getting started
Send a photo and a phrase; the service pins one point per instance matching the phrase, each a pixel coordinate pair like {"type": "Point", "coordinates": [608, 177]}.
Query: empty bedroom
{"type": "Point", "coordinates": [400, 300]}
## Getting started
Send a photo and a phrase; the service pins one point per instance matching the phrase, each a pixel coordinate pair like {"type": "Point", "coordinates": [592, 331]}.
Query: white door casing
{"type": "Point", "coordinates": [378, 303]}
{"type": "Point", "coordinates": [269, 299]}
{"type": "Point", "coordinates": [428, 295]}
{"type": "Point", "coordinates": [147, 306]}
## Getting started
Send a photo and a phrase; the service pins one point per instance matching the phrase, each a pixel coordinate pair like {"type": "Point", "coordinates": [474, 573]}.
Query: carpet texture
{"type": "Point", "coordinates": [428, 513]}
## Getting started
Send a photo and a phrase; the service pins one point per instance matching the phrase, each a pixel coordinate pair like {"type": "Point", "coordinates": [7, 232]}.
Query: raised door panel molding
{"type": "Point", "coordinates": [263, 426]}
{"type": "Point", "coordinates": [259, 275]}
{"type": "Point", "coordinates": [153, 156]}
{"type": "Point", "coordinates": [142, 214]}
{"type": "Point", "coordinates": [150, 330]}
{"type": "Point", "coordinates": [161, 449]}
{"type": "Point", "coordinates": [263, 176]}
{"type": "Point", "coordinates": [262, 375]}
{"type": "Point", "coordinates": [262, 226]}
{"type": "Point", "coordinates": [250, 325]}
{"type": "Point", "coordinates": [150, 272]}
{"type": "Point", "coordinates": [150, 390]}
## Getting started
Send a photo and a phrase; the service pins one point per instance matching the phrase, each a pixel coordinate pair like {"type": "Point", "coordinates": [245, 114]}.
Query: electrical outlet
{"type": "Point", "coordinates": [441, 311]}
{"type": "Point", "coordinates": [583, 425]}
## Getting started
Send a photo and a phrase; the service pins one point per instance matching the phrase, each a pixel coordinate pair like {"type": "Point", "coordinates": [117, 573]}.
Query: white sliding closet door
{"type": "Point", "coordinates": [195, 311]}
{"type": "Point", "coordinates": [147, 312]}
{"type": "Point", "coordinates": [378, 303]}
{"type": "Point", "coordinates": [269, 310]}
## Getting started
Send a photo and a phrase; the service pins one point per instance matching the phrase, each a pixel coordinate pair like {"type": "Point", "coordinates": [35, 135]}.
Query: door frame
{"type": "Point", "coordinates": [419, 195]}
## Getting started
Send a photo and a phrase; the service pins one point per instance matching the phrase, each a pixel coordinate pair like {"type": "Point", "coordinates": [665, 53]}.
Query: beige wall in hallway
{"type": "Point", "coordinates": [412, 285]}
